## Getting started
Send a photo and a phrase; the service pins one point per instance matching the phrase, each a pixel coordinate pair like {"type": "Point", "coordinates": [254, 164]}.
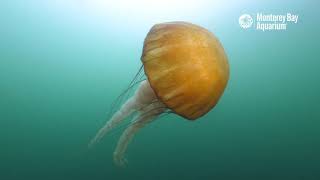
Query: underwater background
{"type": "Point", "coordinates": [62, 64]}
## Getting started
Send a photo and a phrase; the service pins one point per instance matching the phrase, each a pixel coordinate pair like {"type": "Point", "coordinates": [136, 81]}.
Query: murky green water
{"type": "Point", "coordinates": [63, 63]}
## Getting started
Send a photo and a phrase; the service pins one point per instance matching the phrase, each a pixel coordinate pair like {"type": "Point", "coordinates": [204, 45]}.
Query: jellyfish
{"type": "Point", "coordinates": [186, 71]}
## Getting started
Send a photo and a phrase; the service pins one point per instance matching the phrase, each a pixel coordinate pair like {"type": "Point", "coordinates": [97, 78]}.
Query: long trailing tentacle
{"type": "Point", "coordinates": [116, 117]}
{"type": "Point", "coordinates": [144, 102]}
{"type": "Point", "coordinates": [124, 95]}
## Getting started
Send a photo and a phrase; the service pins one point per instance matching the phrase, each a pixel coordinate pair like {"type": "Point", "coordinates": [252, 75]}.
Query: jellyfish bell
{"type": "Point", "coordinates": [186, 72]}
{"type": "Point", "coordinates": [186, 67]}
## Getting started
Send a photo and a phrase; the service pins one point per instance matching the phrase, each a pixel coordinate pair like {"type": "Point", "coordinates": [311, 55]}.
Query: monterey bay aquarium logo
{"type": "Point", "coordinates": [268, 22]}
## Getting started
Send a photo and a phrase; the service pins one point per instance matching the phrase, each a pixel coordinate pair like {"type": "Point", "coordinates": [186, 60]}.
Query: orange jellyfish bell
{"type": "Point", "coordinates": [187, 71]}
{"type": "Point", "coordinates": [186, 67]}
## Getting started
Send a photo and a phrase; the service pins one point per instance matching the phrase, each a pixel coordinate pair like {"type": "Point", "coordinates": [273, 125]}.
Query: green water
{"type": "Point", "coordinates": [62, 64]}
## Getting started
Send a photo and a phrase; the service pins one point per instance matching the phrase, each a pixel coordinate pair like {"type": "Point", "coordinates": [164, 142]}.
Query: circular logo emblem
{"type": "Point", "coordinates": [245, 21]}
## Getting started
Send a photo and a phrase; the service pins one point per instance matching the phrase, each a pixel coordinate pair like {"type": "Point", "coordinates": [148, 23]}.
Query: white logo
{"type": "Point", "coordinates": [268, 21]}
{"type": "Point", "coordinates": [245, 21]}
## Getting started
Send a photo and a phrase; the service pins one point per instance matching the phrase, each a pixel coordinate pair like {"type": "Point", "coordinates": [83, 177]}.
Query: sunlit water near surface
{"type": "Point", "coordinates": [62, 64]}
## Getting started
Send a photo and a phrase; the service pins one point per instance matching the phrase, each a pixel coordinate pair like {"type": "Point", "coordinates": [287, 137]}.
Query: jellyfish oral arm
{"type": "Point", "coordinates": [146, 104]}
{"type": "Point", "coordinates": [126, 109]}
{"type": "Point", "coordinates": [146, 115]}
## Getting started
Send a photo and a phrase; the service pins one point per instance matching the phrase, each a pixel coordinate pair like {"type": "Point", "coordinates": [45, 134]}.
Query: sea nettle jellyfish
{"type": "Point", "coordinates": [186, 72]}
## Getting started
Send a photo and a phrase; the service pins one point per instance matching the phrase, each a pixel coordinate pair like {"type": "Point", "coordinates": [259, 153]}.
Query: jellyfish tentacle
{"type": "Point", "coordinates": [126, 92]}
{"type": "Point", "coordinates": [125, 138]}
{"type": "Point", "coordinates": [129, 123]}
{"type": "Point", "coordinates": [147, 115]}
{"type": "Point", "coordinates": [126, 109]}
{"type": "Point", "coordinates": [143, 97]}
{"type": "Point", "coordinates": [148, 107]}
